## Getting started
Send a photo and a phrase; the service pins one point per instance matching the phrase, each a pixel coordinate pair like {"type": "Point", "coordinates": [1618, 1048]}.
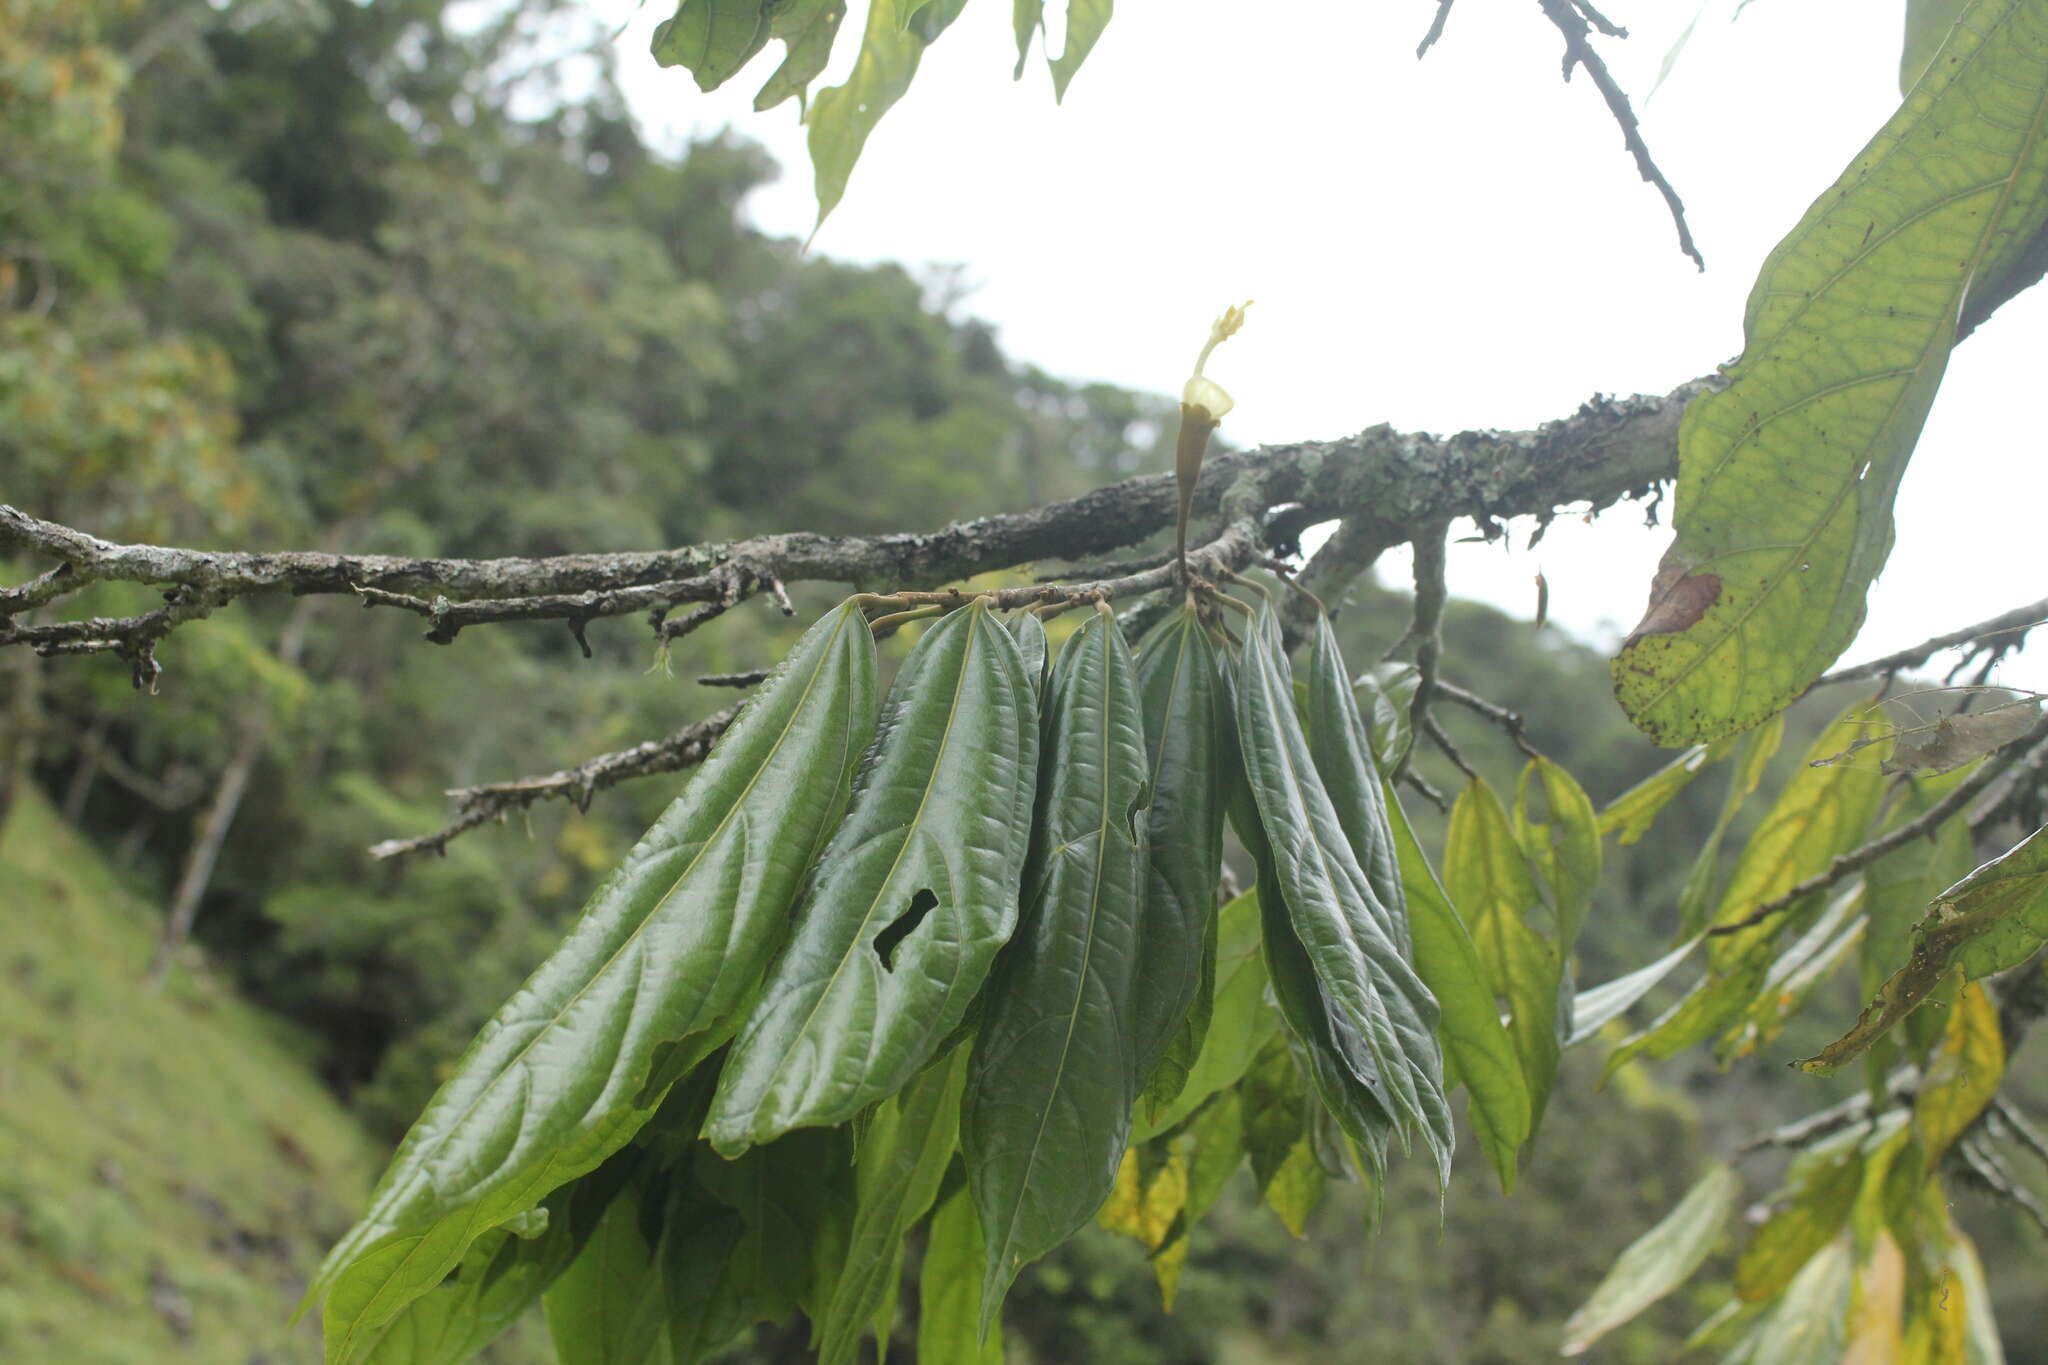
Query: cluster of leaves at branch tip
{"type": "Point", "coordinates": [954, 959]}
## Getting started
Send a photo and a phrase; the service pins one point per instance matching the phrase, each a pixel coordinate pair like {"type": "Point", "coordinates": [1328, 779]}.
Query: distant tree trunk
{"type": "Point", "coordinates": [252, 738]}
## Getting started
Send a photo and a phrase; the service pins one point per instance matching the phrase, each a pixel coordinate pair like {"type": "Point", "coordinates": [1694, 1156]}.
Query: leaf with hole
{"type": "Point", "coordinates": [669, 947]}
{"type": "Point", "coordinates": [913, 897]}
{"type": "Point", "coordinates": [1055, 1068]}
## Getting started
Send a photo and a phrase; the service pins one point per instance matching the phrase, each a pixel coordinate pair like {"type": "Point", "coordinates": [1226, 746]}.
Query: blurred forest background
{"type": "Point", "coordinates": [402, 278]}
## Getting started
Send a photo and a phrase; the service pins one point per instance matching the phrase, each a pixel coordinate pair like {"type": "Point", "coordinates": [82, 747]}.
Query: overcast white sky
{"type": "Point", "coordinates": [1453, 243]}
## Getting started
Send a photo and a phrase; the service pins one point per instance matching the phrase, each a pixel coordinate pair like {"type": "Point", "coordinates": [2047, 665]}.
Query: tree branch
{"type": "Point", "coordinates": [2015, 623]}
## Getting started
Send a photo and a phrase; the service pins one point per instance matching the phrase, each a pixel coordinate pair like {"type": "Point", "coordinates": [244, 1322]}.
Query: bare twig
{"type": "Point", "coordinates": [1856, 859]}
{"type": "Point", "coordinates": [1510, 721]}
{"type": "Point", "coordinates": [1436, 29]}
{"type": "Point", "coordinates": [1435, 729]}
{"type": "Point", "coordinates": [1423, 788]}
{"type": "Point", "coordinates": [1982, 1167]}
{"type": "Point", "coordinates": [2015, 623]}
{"type": "Point", "coordinates": [1572, 19]}
{"type": "Point", "coordinates": [476, 805]}
{"type": "Point", "coordinates": [1432, 590]}
{"type": "Point", "coordinates": [749, 678]}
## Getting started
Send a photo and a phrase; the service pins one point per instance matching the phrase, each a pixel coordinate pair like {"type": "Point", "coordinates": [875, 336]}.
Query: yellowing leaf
{"type": "Point", "coordinates": [1963, 1074]}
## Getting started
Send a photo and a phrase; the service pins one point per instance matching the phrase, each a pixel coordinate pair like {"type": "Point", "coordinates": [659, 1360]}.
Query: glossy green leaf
{"type": "Point", "coordinates": [1820, 1191]}
{"type": "Point", "coordinates": [949, 1290]}
{"type": "Point", "coordinates": [1564, 849]}
{"type": "Point", "coordinates": [1239, 1020]}
{"type": "Point", "coordinates": [785, 1192]}
{"type": "Point", "coordinates": [1962, 1076]}
{"type": "Point", "coordinates": [1755, 749]}
{"type": "Point", "coordinates": [713, 39]}
{"type": "Point", "coordinates": [1027, 18]}
{"type": "Point", "coordinates": [1342, 749]}
{"type": "Point", "coordinates": [1927, 27]}
{"type": "Point", "coordinates": [914, 895]}
{"type": "Point", "coordinates": [902, 1157]}
{"type": "Point", "coordinates": [1187, 750]}
{"type": "Point", "coordinates": [1659, 1261]}
{"type": "Point", "coordinates": [1787, 475]}
{"type": "Point", "coordinates": [1382, 1018]}
{"type": "Point", "coordinates": [1490, 883]}
{"type": "Point", "coordinates": [1476, 1043]}
{"type": "Point", "coordinates": [841, 117]}
{"type": "Point", "coordinates": [1822, 811]}
{"type": "Point", "coordinates": [807, 29]}
{"type": "Point", "coordinates": [1630, 815]}
{"type": "Point", "coordinates": [1390, 697]}
{"type": "Point", "coordinates": [668, 948]}
{"type": "Point", "coordinates": [1032, 645]}
{"type": "Point", "coordinates": [610, 1307]}
{"type": "Point", "coordinates": [1170, 1077]}
{"type": "Point", "coordinates": [1085, 21]}
{"type": "Point", "coordinates": [1055, 1069]}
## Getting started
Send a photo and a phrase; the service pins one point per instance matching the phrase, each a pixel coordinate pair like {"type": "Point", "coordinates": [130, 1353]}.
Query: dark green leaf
{"type": "Point", "coordinates": [1475, 1040]}
{"type": "Point", "coordinates": [902, 1157]}
{"type": "Point", "coordinates": [949, 1290]}
{"type": "Point", "coordinates": [1788, 473]}
{"type": "Point", "coordinates": [914, 896]}
{"type": "Point", "coordinates": [610, 1307]}
{"type": "Point", "coordinates": [806, 28]}
{"type": "Point", "coordinates": [1187, 746]}
{"type": "Point", "coordinates": [669, 947]}
{"type": "Point", "coordinates": [783, 1192]}
{"type": "Point", "coordinates": [1343, 755]}
{"type": "Point", "coordinates": [1382, 1018]}
{"type": "Point", "coordinates": [1659, 1261]}
{"type": "Point", "coordinates": [1055, 1069]}
{"type": "Point", "coordinates": [1239, 1021]}
{"type": "Point", "coordinates": [1031, 643]}
{"type": "Point", "coordinates": [713, 39]}
{"type": "Point", "coordinates": [1278, 1137]}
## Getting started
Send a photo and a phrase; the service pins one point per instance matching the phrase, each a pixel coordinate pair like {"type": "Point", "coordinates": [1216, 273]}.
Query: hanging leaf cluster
{"type": "Point", "coordinates": [714, 39]}
{"type": "Point", "coordinates": [948, 969]}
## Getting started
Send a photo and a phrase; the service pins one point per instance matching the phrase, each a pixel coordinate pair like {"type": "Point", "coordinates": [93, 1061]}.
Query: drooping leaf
{"type": "Point", "coordinates": [669, 947]}
{"type": "Point", "coordinates": [1492, 887]}
{"type": "Point", "coordinates": [1950, 742]}
{"type": "Point", "coordinates": [1215, 1149]}
{"type": "Point", "coordinates": [1819, 1192]}
{"type": "Point", "coordinates": [713, 39]}
{"type": "Point", "coordinates": [1186, 745]}
{"type": "Point", "coordinates": [1170, 1077]}
{"type": "Point", "coordinates": [1032, 644]}
{"type": "Point", "coordinates": [1055, 1069]}
{"type": "Point", "coordinates": [1990, 920]}
{"type": "Point", "coordinates": [1381, 1017]}
{"type": "Point", "coordinates": [610, 1307]}
{"type": "Point", "coordinates": [949, 1290]}
{"type": "Point", "coordinates": [1787, 475]}
{"type": "Point", "coordinates": [1476, 1043]}
{"type": "Point", "coordinates": [1963, 1075]}
{"type": "Point", "coordinates": [1564, 849]}
{"type": "Point", "coordinates": [1630, 815]}
{"type": "Point", "coordinates": [1027, 17]}
{"type": "Point", "coordinates": [1342, 749]}
{"type": "Point", "coordinates": [1659, 1261]}
{"type": "Point", "coordinates": [914, 895]}
{"type": "Point", "coordinates": [1085, 21]}
{"type": "Point", "coordinates": [1277, 1137]}
{"type": "Point", "coordinates": [807, 29]}
{"type": "Point", "coordinates": [1897, 890]}
{"type": "Point", "coordinates": [901, 1160]}
{"type": "Point", "coordinates": [1239, 1020]}
{"type": "Point", "coordinates": [841, 117]}
{"type": "Point", "coordinates": [784, 1192]}
{"type": "Point", "coordinates": [1755, 749]}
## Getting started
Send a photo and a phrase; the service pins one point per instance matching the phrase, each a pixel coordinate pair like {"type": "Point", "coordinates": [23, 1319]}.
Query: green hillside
{"type": "Point", "coordinates": [169, 1169]}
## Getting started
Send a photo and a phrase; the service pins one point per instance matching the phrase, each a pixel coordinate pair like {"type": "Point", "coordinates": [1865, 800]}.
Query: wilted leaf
{"type": "Point", "coordinates": [1787, 475]}
{"type": "Point", "coordinates": [1657, 1262]}
{"type": "Point", "coordinates": [1952, 741]}
{"type": "Point", "coordinates": [668, 950]}
{"type": "Point", "coordinates": [914, 895]}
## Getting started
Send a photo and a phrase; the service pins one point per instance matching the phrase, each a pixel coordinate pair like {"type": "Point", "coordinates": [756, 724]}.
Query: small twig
{"type": "Point", "coordinates": [749, 678]}
{"type": "Point", "coordinates": [1801, 1131]}
{"type": "Point", "coordinates": [2017, 622]}
{"type": "Point", "coordinates": [1436, 29]}
{"type": "Point", "coordinates": [1432, 590]}
{"type": "Point", "coordinates": [1571, 20]}
{"type": "Point", "coordinates": [1856, 859]}
{"type": "Point", "coordinates": [477, 805]}
{"type": "Point", "coordinates": [1599, 21]}
{"type": "Point", "coordinates": [1422, 788]}
{"type": "Point", "coordinates": [2007, 1117]}
{"type": "Point", "coordinates": [1510, 721]}
{"type": "Point", "coordinates": [1435, 730]}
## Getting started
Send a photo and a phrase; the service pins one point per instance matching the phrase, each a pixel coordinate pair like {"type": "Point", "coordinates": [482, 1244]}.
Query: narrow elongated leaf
{"type": "Point", "coordinates": [1170, 1077]}
{"type": "Point", "coordinates": [1807, 1325]}
{"type": "Point", "coordinates": [1990, 920]}
{"type": "Point", "coordinates": [1820, 1191]}
{"type": "Point", "coordinates": [1239, 1021]}
{"type": "Point", "coordinates": [784, 1192]}
{"type": "Point", "coordinates": [1787, 475]}
{"type": "Point", "coordinates": [1476, 1043]}
{"type": "Point", "coordinates": [806, 28]}
{"type": "Point", "coordinates": [1342, 749]}
{"type": "Point", "coordinates": [903, 1155]}
{"type": "Point", "coordinates": [668, 948]}
{"type": "Point", "coordinates": [1810, 960]}
{"type": "Point", "coordinates": [1491, 885]}
{"type": "Point", "coordinates": [1659, 1261]}
{"type": "Point", "coordinates": [1390, 697]}
{"type": "Point", "coordinates": [1612, 999]}
{"type": "Point", "coordinates": [1963, 1075]}
{"type": "Point", "coordinates": [1382, 1018]}
{"type": "Point", "coordinates": [1186, 746]}
{"type": "Point", "coordinates": [1085, 21]}
{"type": "Point", "coordinates": [1629, 816]}
{"type": "Point", "coordinates": [1755, 749]}
{"type": "Point", "coordinates": [913, 897]}
{"type": "Point", "coordinates": [841, 117]}
{"type": "Point", "coordinates": [949, 1290]}
{"type": "Point", "coordinates": [1565, 848]}
{"type": "Point", "coordinates": [713, 39]}
{"type": "Point", "coordinates": [1055, 1069]}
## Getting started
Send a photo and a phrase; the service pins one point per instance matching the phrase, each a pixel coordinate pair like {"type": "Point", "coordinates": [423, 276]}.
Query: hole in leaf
{"type": "Point", "coordinates": [922, 904]}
